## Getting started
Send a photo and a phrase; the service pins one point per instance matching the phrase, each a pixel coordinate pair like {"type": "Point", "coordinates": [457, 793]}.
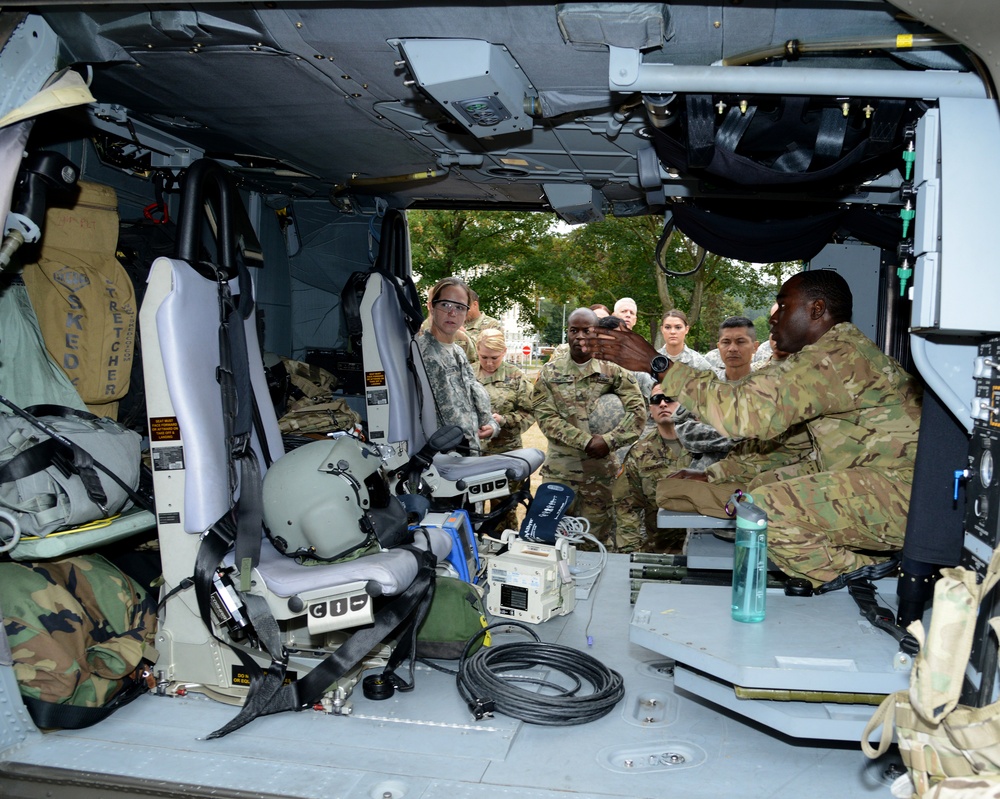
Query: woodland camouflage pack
{"type": "Point", "coordinates": [78, 628]}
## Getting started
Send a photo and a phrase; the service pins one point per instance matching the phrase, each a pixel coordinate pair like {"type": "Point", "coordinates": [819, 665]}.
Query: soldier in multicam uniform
{"type": "Point", "coordinates": [656, 455]}
{"type": "Point", "coordinates": [566, 391]}
{"type": "Point", "coordinates": [737, 343]}
{"type": "Point", "coordinates": [862, 413]}
{"type": "Point", "coordinates": [476, 323]}
{"type": "Point", "coordinates": [510, 398]}
{"type": "Point", "coordinates": [674, 328]}
{"type": "Point", "coordinates": [460, 399]}
{"type": "Point", "coordinates": [509, 390]}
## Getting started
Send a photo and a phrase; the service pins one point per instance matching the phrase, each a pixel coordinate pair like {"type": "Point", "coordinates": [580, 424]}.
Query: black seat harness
{"type": "Point", "coordinates": [242, 527]}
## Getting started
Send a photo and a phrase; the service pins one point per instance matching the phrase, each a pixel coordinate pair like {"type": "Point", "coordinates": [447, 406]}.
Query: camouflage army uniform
{"type": "Point", "coordinates": [459, 397]}
{"type": "Point", "coordinates": [760, 357]}
{"type": "Point", "coordinates": [510, 396]}
{"type": "Point", "coordinates": [475, 329]}
{"type": "Point", "coordinates": [562, 397]}
{"type": "Point", "coordinates": [688, 356]}
{"type": "Point", "coordinates": [466, 343]}
{"type": "Point", "coordinates": [706, 444]}
{"type": "Point", "coordinates": [752, 462]}
{"type": "Point", "coordinates": [649, 460]}
{"type": "Point", "coordinates": [862, 412]}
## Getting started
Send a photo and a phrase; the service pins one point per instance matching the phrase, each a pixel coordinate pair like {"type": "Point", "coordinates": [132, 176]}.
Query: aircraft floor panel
{"type": "Point", "coordinates": [818, 643]}
{"type": "Point", "coordinates": [425, 745]}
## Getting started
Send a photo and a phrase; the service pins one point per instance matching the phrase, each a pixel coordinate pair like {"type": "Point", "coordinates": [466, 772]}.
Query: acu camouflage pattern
{"type": "Point", "coordinates": [606, 414]}
{"type": "Point", "coordinates": [563, 399]}
{"type": "Point", "coordinates": [648, 461]}
{"type": "Point", "coordinates": [510, 396]}
{"type": "Point", "coordinates": [706, 444]}
{"type": "Point", "coordinates": [861, 411]}
{"type": "Point", "coordinates": [77, 628]}
{"type": "Point", "coordinates": [459, 398]}
{"type": "Point", "coordinates": [688, 356]}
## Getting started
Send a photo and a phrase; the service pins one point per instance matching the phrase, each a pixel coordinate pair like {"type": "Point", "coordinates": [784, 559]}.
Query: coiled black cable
{"type": "Point", "coordinates": [485, 684]}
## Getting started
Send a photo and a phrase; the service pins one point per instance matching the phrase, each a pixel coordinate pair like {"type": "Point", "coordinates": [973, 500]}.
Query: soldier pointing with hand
{"type": "Point", "coordinates": [861, 409]}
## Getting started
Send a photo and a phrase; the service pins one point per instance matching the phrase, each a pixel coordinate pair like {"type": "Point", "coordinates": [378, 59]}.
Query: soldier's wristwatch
{"type": "Point", "coordinates": [659, 364]}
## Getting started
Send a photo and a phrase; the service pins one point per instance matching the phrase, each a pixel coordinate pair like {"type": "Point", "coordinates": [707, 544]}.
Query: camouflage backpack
{"type": "Point", "coordinates": [315, 409]}
{"type": "Point", "coordinates": [940, 740]}
{"type": "Point", "coordinates": [81, 633]}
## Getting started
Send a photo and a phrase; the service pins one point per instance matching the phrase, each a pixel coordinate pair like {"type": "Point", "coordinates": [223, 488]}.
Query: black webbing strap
{"type": "Point", "coordinates": [884, 123]}
{"type": "Point", "coordinates": [353, 292]}
{"type": "Point", "coordinates": [700, 130]}
{"type": "Point", "coordinates": [264, 684]}
{"type": "Point", "coordinates": [270, 695]}
{"type": "Point", "coordinates": [829, 137]}
{"type": "Point", "coordinates": [55, 449]}
{"type": "Point", "coordinates": [61, 716]}
{"type": "Point", "coordinates": [863, 592]}
{"type": "Point", "coordinates": [37, 459]}
{"type": "Point", "coordinates": [733, 127]}
{"type": "Point", "coordinates": [871, 571]}
{"type": "Point", "coordinates": [350, 302]}
{"type": "Point", "coordinates": [406, 646]}
{"type": "Point", "coordinates": [238, 416]}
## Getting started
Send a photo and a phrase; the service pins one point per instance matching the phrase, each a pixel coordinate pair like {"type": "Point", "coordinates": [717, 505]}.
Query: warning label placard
{"type": "Point", "coordinates": [242, 677]}
{"type": "Point", "coordinates": [164, 428]}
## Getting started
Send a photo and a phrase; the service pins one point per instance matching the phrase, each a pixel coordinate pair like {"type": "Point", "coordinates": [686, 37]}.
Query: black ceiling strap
{"type": "Point", "coordinates": [733, 127]}
{"type": "Point", "coordinates": [700, 130]}
{"type": "Point", "coordinates": [796, 159]}
{"type": "Point", "coordinates": [829, 137]}
{"type": "Point", "coordinates": [884, 124]}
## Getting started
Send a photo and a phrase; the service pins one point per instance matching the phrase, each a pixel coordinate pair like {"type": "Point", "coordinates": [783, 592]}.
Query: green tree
{"type": "Point", "coordinates": [507, 257]}
{"type": "Point", "coordinates": [518, 257]}
{"type": "Point", "coordinates": [623, 263]}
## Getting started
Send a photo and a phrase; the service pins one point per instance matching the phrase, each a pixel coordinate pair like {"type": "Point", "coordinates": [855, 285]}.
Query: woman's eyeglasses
{"type": "Point", "coordinates": [450, 307]}
{"type": "Point", "coordinates": [656, 399]}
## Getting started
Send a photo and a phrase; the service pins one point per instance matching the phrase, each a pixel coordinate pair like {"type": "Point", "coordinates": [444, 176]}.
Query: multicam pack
{"type": "Point", "coordinates": [80, 632]}
{"type": "Point", "coordinates": [316, 409]}
{"type": "Point", "coordinates": [940, 739]}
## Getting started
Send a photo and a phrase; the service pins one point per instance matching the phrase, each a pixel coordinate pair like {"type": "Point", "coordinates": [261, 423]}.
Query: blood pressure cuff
{"type": "Point", "coordinates": [549, 505]}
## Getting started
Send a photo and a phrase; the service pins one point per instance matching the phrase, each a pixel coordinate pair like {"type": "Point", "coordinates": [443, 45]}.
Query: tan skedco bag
{"type": "Point", "coordinates": [940, 739]}
{"type": "Point", "coordinates": [84, 299]}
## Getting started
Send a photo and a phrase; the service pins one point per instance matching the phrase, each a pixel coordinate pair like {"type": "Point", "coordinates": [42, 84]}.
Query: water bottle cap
{"type": "Point", "coordinates": [734, 500]}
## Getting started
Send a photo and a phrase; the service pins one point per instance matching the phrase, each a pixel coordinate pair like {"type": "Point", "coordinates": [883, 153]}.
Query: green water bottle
{"type": "Point", "coordinates": [749, 560]}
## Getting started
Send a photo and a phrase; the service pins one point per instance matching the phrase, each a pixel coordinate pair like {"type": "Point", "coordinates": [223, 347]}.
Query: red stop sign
{"type": "Point", "coordinates": [526, 349]}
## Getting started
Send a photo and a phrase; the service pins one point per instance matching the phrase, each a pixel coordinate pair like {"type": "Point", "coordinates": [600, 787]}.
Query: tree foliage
{"type": "Point", "coordinates": [514, 257]}
{"type": "Point", "coordinates": [507, 257]}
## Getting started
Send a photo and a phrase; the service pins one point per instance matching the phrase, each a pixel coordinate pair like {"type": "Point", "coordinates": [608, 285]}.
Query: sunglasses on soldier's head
{"type": "Point", "coordinates": [656, 399]}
